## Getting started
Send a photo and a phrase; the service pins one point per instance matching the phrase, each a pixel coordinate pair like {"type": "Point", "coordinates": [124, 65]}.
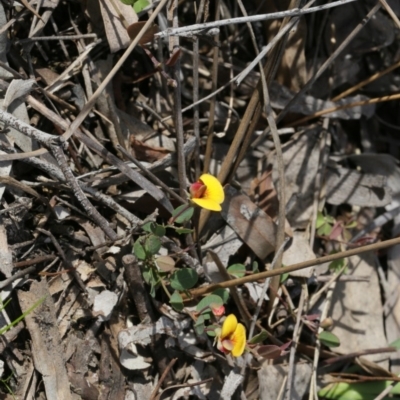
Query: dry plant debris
{"type": "Point", "coordinates": [199, 199]}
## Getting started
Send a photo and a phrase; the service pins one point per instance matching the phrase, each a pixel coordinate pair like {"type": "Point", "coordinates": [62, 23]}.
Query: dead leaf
{"type": "Point", "coordinates": [134, 29]}
{"type": "Point", "coordinates": [143, 152]}
{"type": "Point", "coordinates": [344, 185]}
{"type": "Point", "coordinates": [114, 20]}
{"type": "Point", "coordinates": [254, 227]}
{"type": "Point", "coordinates": [357, 311]}
{"type": "Point", "coordinates": [301, 157]}
{"type": "Point", "coordinates": [46, 342]}
{"type": "Point", "coordinates": [17, 88]}
{"type": "Point", "coordinates": [104, 304]}
{"type": "Point", "coordinates": [271, 378]}
{"type": "Point", "coordinates": [299, 251]}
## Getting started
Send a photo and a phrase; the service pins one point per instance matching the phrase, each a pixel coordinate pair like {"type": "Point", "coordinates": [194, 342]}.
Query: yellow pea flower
{"type": "Point", "coordinates": [231, 339]}
{"type": "Point", "coordinates": [207, 192]}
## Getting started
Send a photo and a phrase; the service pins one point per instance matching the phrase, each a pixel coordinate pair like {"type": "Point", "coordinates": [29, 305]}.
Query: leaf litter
{"type": "Point", "coordinates": [108, 119]}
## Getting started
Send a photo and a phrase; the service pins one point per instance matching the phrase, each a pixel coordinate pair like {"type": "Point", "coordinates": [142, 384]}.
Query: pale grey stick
{"type": "Point", "coordinates": [200, 28]}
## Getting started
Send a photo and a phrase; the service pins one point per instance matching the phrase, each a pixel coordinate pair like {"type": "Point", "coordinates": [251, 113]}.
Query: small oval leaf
{"type": "Point", "coordinates": [223, 293]}
{"type": "Point", "coordinates": [165, 263]}
{"type": "Point", "coordinates": [176, 301]}
{"type": "Point", "coordinates": [205, 303]}
{"type": "Point", "coordinates": [152, 244]}
{"type": "Point", "coordinates": [184, 279]}
{"type": "Point", "coordinates": [183, 213]}
{"type": "Point", "coordinates": [158, 230]}
{"type": "Point", "coordinates": [329, 339]}
{"type": "Point", "coordinates": [237, 270]}
{"type": "Point", "coordinates": [139, 250]}
{"type": "Point", "coordinates": [263, 335]}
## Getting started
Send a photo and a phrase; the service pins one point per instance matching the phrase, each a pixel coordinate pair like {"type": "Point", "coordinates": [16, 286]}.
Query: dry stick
{"type": "Point", "coordinates": [89, 105]}
{"type": "Point", "coordinates": [345, 106]}
{"type": "Point", "coordinates": [282, 32]}
{"type": "Point", "coordinates": [214, 77]}
{"type": "Point", "coordinates": [254, 18]}
{"type": "Point", "coordinates": [296, 334]}
{"type": "Point", "coordinates": [290, 268]}
{"type": "Point", "coordinates": [144, 308]}
{"type": "Point", "coordinates": [244, 312]}
{"type": "Point", "coordinates": [136, 286]}
{"type": "Point", "coordinates": [26, 129]}
{"type": "Point", "coordinates": [367, 81]}
{"type": "Point", "coordinates": [92, 144]}
{"type": "Point", "coordinates": [162, 379]}
{"type": "Point", "coordinates": [147, 172]}
{"type": "Point", "coordinates": [184, 385]}
{"type": "Point", "coordinates": [263, 293]}
{"type": "Point", "coordinates": [59, 155]}
{"type": "Point", "coordinates": [389, 10]}
{"type": "Point", "coordinates": [19, 274]}
{"type": "Point", "coordinates": [196, 113]}
{"type": "Point", "coordinates": [281, 173]}
{"type": "Point", "coordinates": [280, 237]}
{"type": "Point", "coordinates": [328, 62]}
{"type": "Point", "coordinates": [155, 167]}
{"type": "Point", "coordinates": [177, 93]}
{"type": "Point", "coordinates": [245, 130]}
{"type": "Point", "coordinates": [32, 261]}
{"type": "Point", "coordinates": [318, 203]}
{"type": "Point", "coordinates": [69, 265]}
{"type": "Point", "coordinates": [327, 306]}
{"type": "Point", "coordinates": [49, 140]}
{"type": "Point", "coordinates": [47, 38]}
{"type": "Point", "coordinates": [275, 282]}
{"type": "Point", "coordinates": [56, 174]}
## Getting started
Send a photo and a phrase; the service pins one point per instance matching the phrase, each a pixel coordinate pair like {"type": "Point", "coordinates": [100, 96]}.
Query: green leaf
{"type": "Point", "coordinates": [284, 277]}
{"type": "Point", "coordinates": [158, 230]}
{"type": "Point", "coordinates": [183, 213]}
{"type": "Point", "coordinates": [320, 220]}
{"type": "Point", "coordinates": [206, 302]}
{"type": "Point", "coordinates": [223, 293]}
{"type": "Point", "coordinates": [148, 226]}
{"type": "Point", "coordinates": [254, 267]}
{"type": "Point", "coordinates": [395, 344]}
{"type": "Point", "coordinates": [4, 305]}
{"type": "Point", "coordinates": [211, 330]}
{"type": "Point", "coordinates": [128, 2]}
{"type": "Point", "coordinates": [140, 5]}
{"type": "Point", "coordinates": [182, 231]}
{"type": "Point", "coordinates": [199, 325]}
{"type": "Point", "coordinates": [351, 225]}
{"type": "Point", "coordinates": [263, 335]}
{"type": "Point", "coordinates": [139, 250]}
{"type": "Point", "coordinates": [329, 339]}
{"type": "Point", "coordinates": [337, 265]}
{"type": "Point", "coordinates": [149, 276]}
{"type": "Point", "coordinates": [152, 244]}
{"type": "Point", "coordinates": [324, 230]}
{"type": "Point", "coordinates": [176, 301]}
{"type": "Point", "coordinates": [153, 290]}
{"type": "Point", "coordinates": [357, 391]}
{"type": "Point", "coordinates": [237, 270]}
{"type": "Point", "coordinates": [184, 279]}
